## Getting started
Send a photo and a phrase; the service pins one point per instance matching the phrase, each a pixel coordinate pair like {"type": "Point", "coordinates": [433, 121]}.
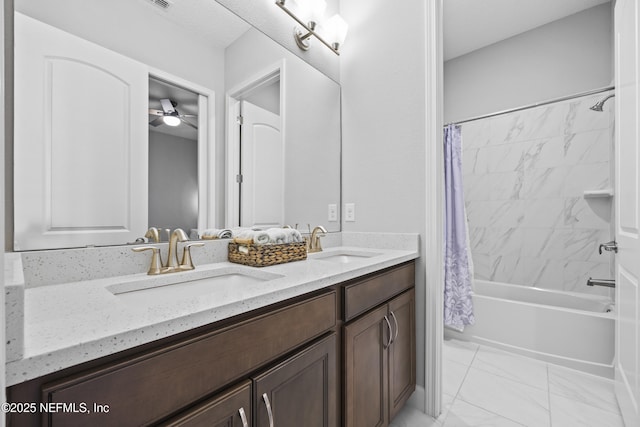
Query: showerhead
{"type": "Point", "coordinates": [598, 106]}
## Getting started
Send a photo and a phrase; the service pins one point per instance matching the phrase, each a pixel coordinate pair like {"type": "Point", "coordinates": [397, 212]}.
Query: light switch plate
{"type": "Point", "coordinates": [333, 212]}
{"type": "Point", "coordinates": [350, 212]}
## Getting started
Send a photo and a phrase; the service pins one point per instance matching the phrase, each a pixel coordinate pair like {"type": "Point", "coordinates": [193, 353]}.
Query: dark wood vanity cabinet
{"type": "Point", "coordinates": [344, 355]}
{"type": "Point", "coordinates": [300, 391]}
{"type": "Point", "coordinates": [379, 353]}
{"type": "Point", "coordinates": [173, 379]}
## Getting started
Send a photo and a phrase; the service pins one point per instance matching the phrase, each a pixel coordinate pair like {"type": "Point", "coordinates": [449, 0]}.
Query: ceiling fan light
{"type": "Point", "coordinates": [171, 120]}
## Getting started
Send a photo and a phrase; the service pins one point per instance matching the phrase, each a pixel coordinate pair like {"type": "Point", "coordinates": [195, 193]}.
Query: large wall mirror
{"type": "Point", "coordinates": [255, 141]}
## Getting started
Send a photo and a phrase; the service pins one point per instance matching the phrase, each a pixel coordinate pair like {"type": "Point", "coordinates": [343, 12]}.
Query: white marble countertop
{"type": "Point", "coordinates": [71, 323]}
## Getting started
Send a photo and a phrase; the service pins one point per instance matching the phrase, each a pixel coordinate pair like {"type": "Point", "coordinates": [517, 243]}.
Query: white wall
{"type": "Point", "coordinates": [136, 30]}
{"type": "Point", "coordinates": [382, 73]}
{"type": "Point", "coordinates": [271, 20]}
{"type": "Point", "coordinates": [173, 169]}
{"type": "Point", "coordinates": [564, 57]}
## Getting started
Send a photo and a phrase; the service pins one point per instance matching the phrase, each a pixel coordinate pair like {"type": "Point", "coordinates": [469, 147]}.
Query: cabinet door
{"type": "Point", "coordinates": [229, 409]}
{"type": "Point", "coordinates": [301, 391]}
{"type": "Point", "coordinates": [81, 141]}
{"type": "Point", "coordinates": [402, 351]}
{"type": "Point", "coordinates": [365, 370]}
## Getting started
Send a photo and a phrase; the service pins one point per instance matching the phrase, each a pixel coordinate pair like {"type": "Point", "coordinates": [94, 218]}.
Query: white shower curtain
{"type": "Point", "coordinates": [458, 303]}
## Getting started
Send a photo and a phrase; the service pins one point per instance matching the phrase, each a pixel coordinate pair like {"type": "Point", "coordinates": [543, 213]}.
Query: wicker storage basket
{"type": "Point", "coordinates": [264, 255]}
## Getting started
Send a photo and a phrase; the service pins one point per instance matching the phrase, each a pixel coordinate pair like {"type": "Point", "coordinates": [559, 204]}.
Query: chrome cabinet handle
{"type": "Point", "coordinates": [386, 319]}
{"type": "Point", "coordinates": [243, 417]}
{"type": "Point", "coordinates": [395, 320]}
{"type": "Point", "coordinates": [268, 405]}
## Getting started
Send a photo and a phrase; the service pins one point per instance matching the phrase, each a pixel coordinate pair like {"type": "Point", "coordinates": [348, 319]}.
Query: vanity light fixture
{"type": "Point", "coordinates": [309, 15]}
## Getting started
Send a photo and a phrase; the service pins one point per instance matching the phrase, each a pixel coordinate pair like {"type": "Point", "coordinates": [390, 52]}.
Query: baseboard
{"type": "Point", "coordinates": [416, 400]}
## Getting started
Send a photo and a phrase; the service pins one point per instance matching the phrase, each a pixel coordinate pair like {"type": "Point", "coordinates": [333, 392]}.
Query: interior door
{"type": "Point", "coordinates": [262, 168]}
{"type": "Point", "coordinates": [627, 210]}
{"type": "Point", "coordinates": [80, 141]}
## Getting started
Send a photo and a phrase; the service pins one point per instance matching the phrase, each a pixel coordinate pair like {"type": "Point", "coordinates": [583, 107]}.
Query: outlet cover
{"type": "Point", "coordinates": [350, 212]}
{"type": "Point", "coordinates": [333, 212]}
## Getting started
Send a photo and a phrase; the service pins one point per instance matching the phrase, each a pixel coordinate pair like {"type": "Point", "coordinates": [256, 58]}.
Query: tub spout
{"type": "Point", "coordinates": [610, 283]}
{"type": "Point", "coordinates": [609, 246]}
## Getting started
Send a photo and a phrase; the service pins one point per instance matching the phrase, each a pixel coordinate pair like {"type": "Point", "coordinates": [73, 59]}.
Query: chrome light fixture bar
{"type": "Point", "coordinates": [336, 27]}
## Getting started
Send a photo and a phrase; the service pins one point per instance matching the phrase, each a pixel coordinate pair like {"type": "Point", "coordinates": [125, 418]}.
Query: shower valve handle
{"type": "Point", "coordinates": [609, 246]}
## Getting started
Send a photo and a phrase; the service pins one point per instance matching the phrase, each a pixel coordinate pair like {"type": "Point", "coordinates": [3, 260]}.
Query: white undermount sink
{"type": "Point", "coordinates": [225, 284]}
{"type": "Point", "coordinates": [343, 256]}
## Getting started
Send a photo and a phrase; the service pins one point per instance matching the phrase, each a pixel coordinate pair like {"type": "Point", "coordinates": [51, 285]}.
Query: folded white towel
{"type": "Point", "coordinates": [271, 236]}
{"type": "Point", "coordinates": [276, 236]}
{"type": "Point", "coordinates": [258, 237]}
{"type": "Point", "coordinates": [216, 233]}
{"type": "Point", "coordinates": [292, 236]}
{"type": "Point", "coordinates": [261, 238]}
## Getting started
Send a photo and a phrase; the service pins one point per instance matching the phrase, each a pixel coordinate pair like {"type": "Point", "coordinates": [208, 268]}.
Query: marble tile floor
{"type": "Point", "coordinates": [484, 386]}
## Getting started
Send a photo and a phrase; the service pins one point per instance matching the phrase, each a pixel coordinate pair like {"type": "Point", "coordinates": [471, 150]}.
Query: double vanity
{"type": "Point", "coordinates": [327, 341]}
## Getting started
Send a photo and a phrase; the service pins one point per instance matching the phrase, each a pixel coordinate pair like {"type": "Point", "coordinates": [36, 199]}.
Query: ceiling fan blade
{"type": "Point", "coordinates": [188, 123]}
{"type": "Point", "coordinates": [188, 115]}
{"type": "Point", "coordinates": [154, 112]}
{"type": "Point", "coordinates": [157, 122]}
{"type": "Point", "coordinates": [167, 105]}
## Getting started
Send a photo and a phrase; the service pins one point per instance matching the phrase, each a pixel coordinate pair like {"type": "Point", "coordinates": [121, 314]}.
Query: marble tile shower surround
{"type": "Point", "coordinates": [524, 177]}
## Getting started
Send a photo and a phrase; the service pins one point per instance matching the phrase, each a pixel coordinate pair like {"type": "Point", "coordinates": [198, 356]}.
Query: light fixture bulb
{"type": "Point", "coordinates": [311, 10]}
{"type": "Point", "coordinates": [171, 120]}
{"type": "Point", "coordinates": [336, 30]}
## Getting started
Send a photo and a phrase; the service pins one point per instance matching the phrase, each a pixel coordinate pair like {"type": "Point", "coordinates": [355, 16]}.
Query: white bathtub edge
{"type": "Point", "coordinates": [598, 369]}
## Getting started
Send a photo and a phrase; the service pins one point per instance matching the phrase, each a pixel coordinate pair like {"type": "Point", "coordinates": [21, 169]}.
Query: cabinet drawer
{"type": "Point", "coordinates": [222, 410]}
{"type": "Point", "coordinates": [152, 386]}
{"type": "Point", "coordinates": [364, 295]}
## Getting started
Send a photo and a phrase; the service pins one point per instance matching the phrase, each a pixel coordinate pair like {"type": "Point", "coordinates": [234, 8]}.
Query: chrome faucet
{"type": "Point", "coordinates": [314, 240]}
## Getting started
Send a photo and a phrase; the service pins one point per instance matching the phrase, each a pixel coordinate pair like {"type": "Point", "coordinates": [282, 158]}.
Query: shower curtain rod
{"type": "Point", "coordinates": [538, 104]}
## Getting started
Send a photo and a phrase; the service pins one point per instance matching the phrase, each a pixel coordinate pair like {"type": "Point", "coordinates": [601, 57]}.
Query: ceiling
{"type": "Point", "coordinates": [473, 24]}
{"type": "Point", "coordinates": [206, 18]}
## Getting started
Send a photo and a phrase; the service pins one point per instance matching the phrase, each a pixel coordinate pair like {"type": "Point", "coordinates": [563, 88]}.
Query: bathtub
{"type": "Point", "coordinates": [565, 328]}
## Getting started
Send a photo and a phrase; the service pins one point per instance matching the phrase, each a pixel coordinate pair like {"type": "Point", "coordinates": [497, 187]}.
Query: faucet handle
{"type": "Point", "coordinates": [153, 234]}
{"type": "Point", "coordinates": [156, 258]}
{"type": "Point", "coordinates": [187, 262]}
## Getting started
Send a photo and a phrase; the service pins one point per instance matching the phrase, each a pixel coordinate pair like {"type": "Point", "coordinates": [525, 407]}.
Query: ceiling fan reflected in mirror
{"type": "Point", "coordinates": [169, 115]}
